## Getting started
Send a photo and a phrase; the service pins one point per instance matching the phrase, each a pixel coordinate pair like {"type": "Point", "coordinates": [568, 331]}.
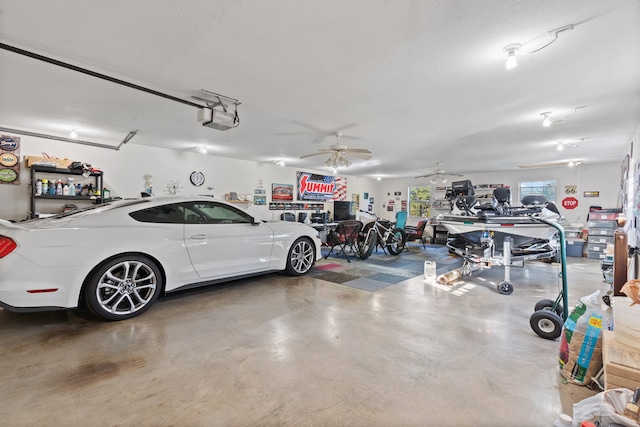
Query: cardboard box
{"type": "Point", "coordinates": [47, 161]}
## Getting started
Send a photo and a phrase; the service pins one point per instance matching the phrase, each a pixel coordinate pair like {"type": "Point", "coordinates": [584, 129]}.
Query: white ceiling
{"type": "Point", "coordinates": [416, 82]}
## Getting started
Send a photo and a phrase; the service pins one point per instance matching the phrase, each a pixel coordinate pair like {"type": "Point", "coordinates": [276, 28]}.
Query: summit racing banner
{"type": "Point", "coordinates": [314, 187]}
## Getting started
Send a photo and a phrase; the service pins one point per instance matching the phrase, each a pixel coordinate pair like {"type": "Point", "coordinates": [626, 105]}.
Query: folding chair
{"type": "Point", "coordinates": [344, 236]}
{"type": "Point", "coordinates": [416, 232]}
{"type": "Point", "coordinates": [401, 219]}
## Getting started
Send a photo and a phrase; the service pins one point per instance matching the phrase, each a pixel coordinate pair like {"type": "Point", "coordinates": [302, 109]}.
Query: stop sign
{"type": "Point", "coordinates": [569, 203]}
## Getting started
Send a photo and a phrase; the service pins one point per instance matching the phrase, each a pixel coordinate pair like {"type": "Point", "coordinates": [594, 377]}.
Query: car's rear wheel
{"type": "Point", "coordinates": [301, 258]}
{"type": "Point", "coordinates": [123, 287]}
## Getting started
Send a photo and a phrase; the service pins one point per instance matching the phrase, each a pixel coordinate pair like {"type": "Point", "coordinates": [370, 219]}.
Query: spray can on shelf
{"type": "Point", "coordinates": [72, 187]}
{"type": "Point", "coordinates": [78, 189]}
{"type": "Point", "coordinates": [45, 186]}
{"type": "Point", "coordinates": [38, 187]}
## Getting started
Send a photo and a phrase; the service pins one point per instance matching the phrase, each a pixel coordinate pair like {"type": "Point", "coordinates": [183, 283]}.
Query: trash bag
{"type": "Point", "coordinates": [607, 406]}
{"type": "Point", "coordinates": [581, 344]}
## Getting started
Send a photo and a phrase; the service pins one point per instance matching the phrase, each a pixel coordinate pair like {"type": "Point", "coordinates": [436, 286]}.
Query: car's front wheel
{"type": "Point", "coordinates": [301, 258]}
{"type": "Point", "coordinates": [123, 287]}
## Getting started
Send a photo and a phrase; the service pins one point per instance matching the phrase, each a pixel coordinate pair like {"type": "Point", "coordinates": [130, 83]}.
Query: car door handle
{"type": "Point", "coordinates": [200, 236]}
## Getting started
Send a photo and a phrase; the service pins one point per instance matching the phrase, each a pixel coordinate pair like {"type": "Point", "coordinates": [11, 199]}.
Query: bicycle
{"type": "Point", "coordinates": [382, 232]}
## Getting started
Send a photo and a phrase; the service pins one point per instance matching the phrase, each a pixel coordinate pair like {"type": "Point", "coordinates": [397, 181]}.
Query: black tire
{"type": "Point", "coordinates": [396, 241]}
{"type": "Point", "coordinates": [301, 257]}
{"type": "Point", "coordinates": [123, 287]}
{"type": "Point", "coordinates": [505, 288]}
{"type": "Point", "coordinates": [368, 243]}
{"type": "Point", "coordinates": [546, 323]}
{"type": "Point", "coordinates": [546, 304]}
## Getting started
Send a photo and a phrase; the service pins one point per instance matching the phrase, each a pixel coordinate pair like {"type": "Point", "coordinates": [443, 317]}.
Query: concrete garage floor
{"type": "Point", "coordinates": [276, 350]}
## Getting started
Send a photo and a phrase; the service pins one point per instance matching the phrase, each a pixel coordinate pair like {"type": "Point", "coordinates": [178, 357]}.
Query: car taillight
{"type": "Point", "coordinates": [7, 246]}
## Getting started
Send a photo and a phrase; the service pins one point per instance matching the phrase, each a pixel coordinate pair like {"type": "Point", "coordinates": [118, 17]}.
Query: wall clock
{"type": "Point", "coordinates": [197, 178]}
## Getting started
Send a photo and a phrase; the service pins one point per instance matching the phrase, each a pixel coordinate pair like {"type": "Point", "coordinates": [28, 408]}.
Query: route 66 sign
{"type": "Point", "coordinates": [570, 189]}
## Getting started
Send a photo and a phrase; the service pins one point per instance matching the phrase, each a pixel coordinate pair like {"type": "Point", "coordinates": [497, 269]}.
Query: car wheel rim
{"type": "Point", "coordinates": [126, 287]}
{"type": "Point", "coordinates": [302, 257]}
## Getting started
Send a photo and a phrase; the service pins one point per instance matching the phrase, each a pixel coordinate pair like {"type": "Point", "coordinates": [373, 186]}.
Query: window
{"type": "Point", "coordinates": [419, 201]}
{"type": "Point", "coordinates": [193, 213]}
{"type": "Point", "coordinates": [533, 188]}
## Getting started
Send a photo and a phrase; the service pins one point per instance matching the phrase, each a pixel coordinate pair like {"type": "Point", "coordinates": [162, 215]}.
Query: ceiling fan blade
{"type": "Point", "coordinates": [361, 155]}
{"type": "Point", "coordinates": [357, 150]}
{"type": "Point", "coordinates": [427, 176]}
{"type": "Point", "coordinates": [317, 154]}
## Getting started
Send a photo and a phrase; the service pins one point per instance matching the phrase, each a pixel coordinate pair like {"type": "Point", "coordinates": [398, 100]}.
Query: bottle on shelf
{"type": "Point", "coordinates": [65, 189]}
{"type": "Point", "coordinates": [78, 189]}
{"type": "Point", "coordinates": [59, 188]}
{"type": "Point", "coordinates": [45, 186]}
{"type": "Point", "coordinates": [72, 187]}
{"type": "Point", "coordinates": [38, 187]}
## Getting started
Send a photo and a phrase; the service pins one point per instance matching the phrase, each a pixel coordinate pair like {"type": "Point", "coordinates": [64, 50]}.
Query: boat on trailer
{"type": "Point", "coordinates": [497, 234]}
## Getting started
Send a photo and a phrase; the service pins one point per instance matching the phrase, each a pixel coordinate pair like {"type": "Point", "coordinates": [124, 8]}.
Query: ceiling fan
{"type": "Point", "coordinates": [439, 176]}
{"type": "Point", "coordinates": [339, 154]}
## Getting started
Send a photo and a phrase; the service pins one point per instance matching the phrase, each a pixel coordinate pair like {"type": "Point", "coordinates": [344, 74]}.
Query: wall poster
{"type": "Point", "coordinates": [281, 192]}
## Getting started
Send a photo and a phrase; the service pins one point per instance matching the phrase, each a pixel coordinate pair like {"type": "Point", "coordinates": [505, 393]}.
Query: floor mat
{"type": "Point", "coordinates": [381, 269]}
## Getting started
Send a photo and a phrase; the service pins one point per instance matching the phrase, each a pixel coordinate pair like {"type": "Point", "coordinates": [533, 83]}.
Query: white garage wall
{"type": "Point", "coordinates": [124, 172]}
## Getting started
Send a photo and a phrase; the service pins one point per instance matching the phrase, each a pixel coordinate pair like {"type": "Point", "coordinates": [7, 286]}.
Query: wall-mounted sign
{"type": "Point", "coordinates": [591, 194]}
{"type": "Point", "coordinates": [9, 159]}
{"type": "Point", "coordinates": [569, 203]}
{"type": "Point", "coordinates": [313, 187]}
{"type": "Point", "coordinates": [570, 189]}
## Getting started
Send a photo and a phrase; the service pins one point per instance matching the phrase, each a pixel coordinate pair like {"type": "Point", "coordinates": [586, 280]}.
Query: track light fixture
{"type": "Point", "coordinates": [512, 48]}
{"type": "Point", "coordinates": [379, 178]}
{"type": "Point", "coordinates": [201, 150]}
{"type": "Point", "coordinates": [573, 163]}
{"type": "Point", "coordinates": [280, 163]}
{"type": "Point", "coordinates": [512, 62]}
{"type": "Point", "coordinates": [73, 134]}
{"type": "Point", "coordinates": [560, 146]}
{"type": "Point", "coordinates": [546, 121]}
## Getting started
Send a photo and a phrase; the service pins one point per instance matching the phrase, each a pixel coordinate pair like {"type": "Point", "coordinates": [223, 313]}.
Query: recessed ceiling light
{"type": "Point", "coordinates": [73, 134]}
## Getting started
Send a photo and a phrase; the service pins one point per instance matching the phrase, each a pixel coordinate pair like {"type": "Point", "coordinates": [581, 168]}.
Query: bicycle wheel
{"type": "Point", "coordinates": [367, 244]}
{"type": "Point", "coordinates": [395, 241]}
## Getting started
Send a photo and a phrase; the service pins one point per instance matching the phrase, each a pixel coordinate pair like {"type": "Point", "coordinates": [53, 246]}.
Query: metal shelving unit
{"type": "Point", "coordinates": [46, 171]}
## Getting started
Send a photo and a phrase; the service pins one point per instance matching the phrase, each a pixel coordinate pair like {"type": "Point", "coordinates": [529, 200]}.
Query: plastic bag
{"type": "Point", "coordinates": [607, 406]}
{"type": "Point", "coordinates": [581, 345]}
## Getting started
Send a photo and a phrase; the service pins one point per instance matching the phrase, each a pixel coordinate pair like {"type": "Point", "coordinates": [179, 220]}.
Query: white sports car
{"type": "Point", "coordinates": [117, 258]}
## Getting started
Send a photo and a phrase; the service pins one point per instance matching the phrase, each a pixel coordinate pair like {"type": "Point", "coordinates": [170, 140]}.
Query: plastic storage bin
{"type": "Point", "coordinates": [574, 247]}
